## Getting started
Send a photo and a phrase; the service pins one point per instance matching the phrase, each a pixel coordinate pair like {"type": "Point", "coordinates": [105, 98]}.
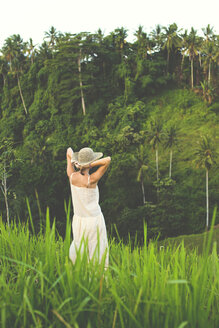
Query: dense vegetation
{"type": "Point", "coordinates": [144, 287]}
{"type": "Point", "coordinates": [152, 105]}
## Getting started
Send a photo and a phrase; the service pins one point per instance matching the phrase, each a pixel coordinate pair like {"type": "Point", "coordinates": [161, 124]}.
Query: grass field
{"type": "Point", "coordinates": [147, 286]}
{"type": "Point", "coordinates": [191, 242]}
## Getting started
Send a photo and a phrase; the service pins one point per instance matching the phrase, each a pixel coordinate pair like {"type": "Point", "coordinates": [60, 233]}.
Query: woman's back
{"type": "Point", "coordinates": [85, 201]}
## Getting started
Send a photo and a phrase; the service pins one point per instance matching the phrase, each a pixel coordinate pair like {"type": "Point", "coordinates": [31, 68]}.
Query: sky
{"type": "Point", "coordinates": [31, 19]}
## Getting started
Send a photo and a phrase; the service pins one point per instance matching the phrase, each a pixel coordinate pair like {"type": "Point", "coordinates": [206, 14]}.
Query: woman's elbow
{"type": "Point", "coordinates": [108, 160]}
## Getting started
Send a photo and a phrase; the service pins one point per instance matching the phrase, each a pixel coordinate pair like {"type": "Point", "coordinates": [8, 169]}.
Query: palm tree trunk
{"type": "Point", "coordinates": [4, 79]}
{"type": "Point", "coordinates": [157, 174]}
{"type": "Point", "coordinates": [207, 201]}
{"type": "Point", "coordinates": [22, 98]}
{"type": "Point", "coordinates": [209, 73]}
{"type": "Point", "coordinates": [157, 164]}
{"type": "Point", "coordinates": [81, 85]}
{"type": "Point", "coordinates": [5, 192]}
{"type": "Point", "coordinates": [200, 59]}
{"type": "Point", "coordinates": [171, 159]}
{"type": "Point", "coordinates": [182, 63]}
{"type": "Point", "coordinates": [10, 64]}
{"type": "Point", "coordinates": [143, 192]}
{"type": "Point", "coordinates": [192, 73]}
{"type": "Point", "coordinates": [168, 60]}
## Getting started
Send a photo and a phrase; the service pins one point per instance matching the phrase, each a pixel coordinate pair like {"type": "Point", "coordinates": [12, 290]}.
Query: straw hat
{"type": "Point", "coordinates": [85, 156]}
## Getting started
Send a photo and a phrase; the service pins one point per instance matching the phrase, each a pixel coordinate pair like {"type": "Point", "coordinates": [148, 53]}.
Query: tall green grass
{"type": "Point", "coordinates": [146, 286]}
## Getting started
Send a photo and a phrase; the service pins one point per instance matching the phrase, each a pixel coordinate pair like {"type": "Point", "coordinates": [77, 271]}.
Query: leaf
{"type": "Point", "coordinates": [178, 281]}
{"type": "Point", "coordinates": [183, 324]}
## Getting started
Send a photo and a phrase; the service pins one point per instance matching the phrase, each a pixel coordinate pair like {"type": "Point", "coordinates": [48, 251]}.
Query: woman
{"type": "Point", "coordinates": [88, 222]}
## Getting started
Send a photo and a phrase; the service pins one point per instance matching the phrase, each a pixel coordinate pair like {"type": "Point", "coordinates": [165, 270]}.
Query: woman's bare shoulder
{"type": "Point", "coordinates": [74, 177]}
{"type": "Point", "coordinates": [80, 180]}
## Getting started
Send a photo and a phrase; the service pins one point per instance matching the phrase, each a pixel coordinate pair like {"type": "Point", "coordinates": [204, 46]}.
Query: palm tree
{"type": "Point", "coordinates": [192, 47]}
{"type": "Point", "coordinates": [80, 82]}
{"type": "Point", "coordinates": [154, 138]}
{"type": "Point", "coordinates": [216, 55]}
{"type": "Point", "coordinates": [139, 32]}
{"type": "Point", "coordinates": [3, 69]}
{"type": "Point", "coordinates": [156, 35]}
{"type": "Point", "coordinates": [208, 32]}
{"type": "Point", "coordinates": [209, 51]}
{"type": "Point", "coordinates": [205, 159]}
{"type": "Point", "coordinates": [171, 40]}
{"type": "Point", "coordinates": [184, 38]}
{"type": "Point", "coordinates": [79, 42]}
{"type": "Point", "coordinates": [9, 50]}
{"type": "Point", "coordinates": [52, 37]}
{"type": "Point", "coordinates": [13, 51]}
{"type": "Point", "coordinates": [4, 189]}
{"type": "Point", "coordinates": [17, 70]}
{"type": "Point", "coordinates": [142, 168]}
{"type": "Point", "coordinates": [18, 62]}
{"type": "Point", "coordinates": [98, 38]}
{"type": "Point", "coordinates": [6, 159]}
{"type": "Point", "coordinates": [143, 43]}
{"type": "Point", "coordinates": [120, 35]}
{"type": "Point", "coordinates": [31, 50]}
{"type": "Point", "coordinates": [171, 141]}
{"type": "Point", "coordinates": [122, 70]}
{"type": "Point", "coordinates": [144, 46]}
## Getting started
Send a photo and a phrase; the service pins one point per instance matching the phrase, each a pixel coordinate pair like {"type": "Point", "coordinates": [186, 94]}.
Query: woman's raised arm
{"type": "Point", "coordinates": [70, 168]}
{"type": "Point", "coordinates": [103, 164]}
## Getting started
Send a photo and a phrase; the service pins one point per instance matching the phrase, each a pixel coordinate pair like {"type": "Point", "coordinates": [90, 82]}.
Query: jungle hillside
{"type": "Point", "coordinates": [151, 104]}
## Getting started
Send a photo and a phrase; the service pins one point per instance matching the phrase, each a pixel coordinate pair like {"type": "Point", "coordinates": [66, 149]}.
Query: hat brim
{"type": "Point", "coordinates": [96, 157]}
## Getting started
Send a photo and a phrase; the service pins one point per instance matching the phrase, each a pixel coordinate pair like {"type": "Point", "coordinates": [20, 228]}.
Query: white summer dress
{"type": "Point", "coordinates": [88, 225]}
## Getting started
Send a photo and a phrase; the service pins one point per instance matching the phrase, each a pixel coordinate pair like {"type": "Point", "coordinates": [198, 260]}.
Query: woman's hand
{"type": "Point", "coordinates": [77, 165]}
{"type": "Point", "coordinates": [69, 153]}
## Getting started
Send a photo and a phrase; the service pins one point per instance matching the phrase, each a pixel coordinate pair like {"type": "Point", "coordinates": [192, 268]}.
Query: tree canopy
{"type": "Point", "coordinates": [125, 99]}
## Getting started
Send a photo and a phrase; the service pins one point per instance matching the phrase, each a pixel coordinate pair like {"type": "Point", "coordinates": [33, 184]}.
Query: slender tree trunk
{"type": "Point", "coordinates": [81, 85]}
{"type": "Point", "coordinates": [168, 60]}
{"type": "Point", "coordinates": [143, 192]}
{"type": "Point", "coordinates": [10, 64]}
{"type": "Point", "coordinates": [200, 59]}
{"type": "Point", "coordinates": [157, 173]}
{"type": "Point", "coordinates": [4, 79]}
{"type": "Point", "coordinates": [207, 201]}
{"type": "Point", "coordinates": [209, 73]}
{"type": "Point", "coordinates": [171, 159]}
{"type": "Point", "coordinates": [22, 98]}
{"type": "Point", "coordinates": [181, 67]}
{"type": "Point", "coordinates": [182, 62]}
{"type": "Point", "coordinates": [5, 192]}
{"type": "Point", "coordinates": [157, 164]}
{"type": "Point", "coordinates": [192, 77]}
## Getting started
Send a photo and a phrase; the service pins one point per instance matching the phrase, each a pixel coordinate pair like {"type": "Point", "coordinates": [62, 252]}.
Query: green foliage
{"type": "Point", "coordinates": [135, 94]}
